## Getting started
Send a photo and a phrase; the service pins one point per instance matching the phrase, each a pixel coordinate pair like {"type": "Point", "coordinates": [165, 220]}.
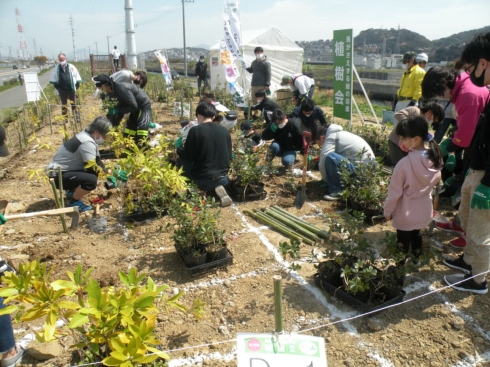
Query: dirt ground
{"type": "Point", "coordinates": [446, 328]}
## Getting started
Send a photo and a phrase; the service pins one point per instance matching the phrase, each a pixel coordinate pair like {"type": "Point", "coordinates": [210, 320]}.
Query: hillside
{"type": "Point", "coordinates": [444, 49]}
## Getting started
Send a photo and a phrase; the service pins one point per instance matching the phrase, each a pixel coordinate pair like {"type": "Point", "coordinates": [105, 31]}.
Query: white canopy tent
{"type": "Point", "coordinates": [285, 56]}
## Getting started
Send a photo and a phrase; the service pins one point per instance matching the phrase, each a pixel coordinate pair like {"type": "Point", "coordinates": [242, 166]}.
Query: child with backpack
{"type": "Point", "coordinates": [409, 201]}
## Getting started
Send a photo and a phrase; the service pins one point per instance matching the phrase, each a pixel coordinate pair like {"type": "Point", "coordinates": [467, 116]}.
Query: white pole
{"type": "Point", "coordinates": [132, 60]}
{"type": "Point", "coordinates": [365, 94]}
{"type": "Point", "coordinates": [358, 111]}
{"type": "Point", "coordinates": [244, 80]}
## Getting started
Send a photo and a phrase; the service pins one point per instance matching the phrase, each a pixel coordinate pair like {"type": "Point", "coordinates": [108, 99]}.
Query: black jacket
{"type": "Point", "coordinates": [208, 146]}
{"type": "Point", "coordinates": [289, 137]}
{"type": "Point", "coordinates": [480, 146]}
{"type": "Point", "coordinates": [261, 71]}
{"type": "Point", "coordinates": [131, 97]}
{"type": "Point", "coordinates": [201, 69]}
{"type": "Point", "coordinates": [267, 105]}
{"type": "Point", "coordinates": [310, 120]}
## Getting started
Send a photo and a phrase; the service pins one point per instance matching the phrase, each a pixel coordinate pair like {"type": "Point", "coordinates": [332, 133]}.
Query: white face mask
{"type": "Point", "coordinates": [63, 63]}
{"type": "Point", "coordinates": [259, 56]}
{"type": "Point", "coordinates": [280, 126]}
{"type": "Point", "coordinates": [100, 140]}
{"type": "Point", "coordinates": [97, 91]}
{"type": "Point", "coordinates": [259, 100]}
{"type": "Point", "coordinates": [404, 66]}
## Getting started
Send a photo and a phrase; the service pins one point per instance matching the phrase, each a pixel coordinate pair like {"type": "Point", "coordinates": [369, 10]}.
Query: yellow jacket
{"type": "Point", "coordinates": [411, 84]}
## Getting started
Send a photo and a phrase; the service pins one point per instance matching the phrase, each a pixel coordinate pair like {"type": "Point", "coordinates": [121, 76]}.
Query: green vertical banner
{"type": "Point", "coordinates": [343, 44]}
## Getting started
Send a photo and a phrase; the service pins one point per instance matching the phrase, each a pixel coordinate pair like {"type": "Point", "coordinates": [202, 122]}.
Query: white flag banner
{"type": "Point", "coordinates": [165, 69]}
{"type": "Point", "coordinates": [230, 51]}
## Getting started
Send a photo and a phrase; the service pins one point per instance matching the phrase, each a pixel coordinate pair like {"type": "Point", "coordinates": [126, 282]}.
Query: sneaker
{"type": "Point", "coordinates": [81, 206]}
{"type": "Point", "coordinates": [69, 194]}
{"type": "Point", "coordinates": [4, 267]}
{"type": "Point", "coordinates": [332, 197]}
{"type": "Point", "coordinates": [16, 359]}
{"type": "Point", "coordinates": [458, 243]}
{"type": "Point", "coordinates": [466, 285]}
{"type": "Point", "coordinates": [450, 227]}
{"type": "Point", "coordinates": [459, 264]}
{"type": "Point", "coordinates": [223, 196]}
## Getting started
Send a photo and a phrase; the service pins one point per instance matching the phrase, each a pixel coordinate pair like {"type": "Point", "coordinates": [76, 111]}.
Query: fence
{"type": "Point", "coordinates": [104, 64]}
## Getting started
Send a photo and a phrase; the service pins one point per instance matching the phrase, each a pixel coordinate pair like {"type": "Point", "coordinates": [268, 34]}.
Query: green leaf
{"type": "Point", "coordinates": [93, 290]}
{"type": "Point", "coordinates": [63, 284]}
{"type": "Point", "coordinates": [111, 361]}
{"type": "Point", "coordinates": [77, 321]}
{"type": "Point", "coordinates": [144, 302]}
{"type": "Point", "coordinates": [8, 310]}
{"type": "Point", "coordinates": [70, 305]}
{"type": "Point", "coordinates": [8, 292]}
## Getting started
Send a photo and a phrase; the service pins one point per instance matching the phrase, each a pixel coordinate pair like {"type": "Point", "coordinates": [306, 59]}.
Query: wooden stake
{"type": "Point", "coordinates": [278, 303]}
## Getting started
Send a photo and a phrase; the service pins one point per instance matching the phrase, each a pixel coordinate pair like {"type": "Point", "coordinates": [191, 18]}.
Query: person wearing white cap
{"type": "Point", "coordinates": [422, 59]}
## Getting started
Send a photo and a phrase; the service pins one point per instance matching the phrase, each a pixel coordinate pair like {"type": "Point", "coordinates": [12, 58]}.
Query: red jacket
{"type": "Point", "coordinates": [469, 101]}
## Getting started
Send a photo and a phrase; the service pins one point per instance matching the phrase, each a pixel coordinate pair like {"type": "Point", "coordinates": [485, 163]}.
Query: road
{"type": "Point", "coordinates": [16, 96]}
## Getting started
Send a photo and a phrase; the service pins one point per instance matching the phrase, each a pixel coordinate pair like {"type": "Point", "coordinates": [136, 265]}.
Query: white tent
{"type": "Point", "coordinates": [285, 56]}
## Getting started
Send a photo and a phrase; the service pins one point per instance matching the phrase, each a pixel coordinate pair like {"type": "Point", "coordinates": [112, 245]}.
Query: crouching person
{"type": "Point", "coordinates": [338, 146]}
{"type": "Point", "coordinates": [287, 138]}
{"type": "Point", "coordinates": [206, 154]}
{"type": "Point", "coordinates": [73, 156]}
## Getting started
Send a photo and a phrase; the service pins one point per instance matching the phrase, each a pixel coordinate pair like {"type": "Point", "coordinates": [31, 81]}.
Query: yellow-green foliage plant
{"type": "Point", "coordinates": [112, 325]}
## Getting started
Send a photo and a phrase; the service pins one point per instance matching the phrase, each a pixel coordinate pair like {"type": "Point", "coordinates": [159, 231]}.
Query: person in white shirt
{"type": "Point", "coordinates": [303, 85]}
{"type": "Point", "coordinates": [115, 57]}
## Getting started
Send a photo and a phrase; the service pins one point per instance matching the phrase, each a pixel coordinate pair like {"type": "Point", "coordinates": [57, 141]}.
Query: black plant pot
{"type": "Point", "coordinates": [247, 193]}
{"type": "Point", "coordinates": [191, 260]}
{"type": "Point", "coordinates": [329, 272]}
{"type": "Point", "coordinates": [217, 255]}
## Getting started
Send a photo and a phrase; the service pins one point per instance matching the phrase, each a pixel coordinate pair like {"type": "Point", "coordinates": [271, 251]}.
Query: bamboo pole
{"type": "Point", "coordinates": [318, 231]}
{"type": "Point", "coordinates": [58, 205]}
{"type": "Point", "coordinates": [278, 304]}
{"type": "Point", "coordinates": [291, 224]}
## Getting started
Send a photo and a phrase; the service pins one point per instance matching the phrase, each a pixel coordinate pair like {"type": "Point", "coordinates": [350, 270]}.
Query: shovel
{"type": "Point", "coordinates": [436, 216]}
{"type": "Point", "coordinates": [300, 199]}
{"type": "Point", "coordinates": [98, 224]}
{"type": "Point", "coordinates": [73, 210]}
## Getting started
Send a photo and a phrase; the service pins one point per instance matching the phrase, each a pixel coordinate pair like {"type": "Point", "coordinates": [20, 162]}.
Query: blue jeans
{"type": "Point", "coordinates": [288, 156]}
{"type": "Point", "coordinates": [332, 169]}
{"type": "Point", "coordinates": [7, 340]}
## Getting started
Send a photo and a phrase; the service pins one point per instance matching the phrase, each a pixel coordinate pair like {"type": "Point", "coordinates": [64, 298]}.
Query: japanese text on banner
{"type": "Point", "coordinates": [165, 69]}
{"type": "Point", "coordinates": [342, 67]}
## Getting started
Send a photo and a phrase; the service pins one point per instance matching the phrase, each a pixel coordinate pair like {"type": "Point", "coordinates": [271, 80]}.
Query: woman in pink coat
{"type": "Point", "coordinates": [409, 200]}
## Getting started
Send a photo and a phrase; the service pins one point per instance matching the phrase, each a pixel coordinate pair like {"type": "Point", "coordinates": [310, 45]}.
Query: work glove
{"type": "Point", "coordinates": [449, 182]}
{"type": "Point", "coordinates": [273, 127]}
{"type": "Point", "coordinates": [444, 145]}
{"type": "Point", "coordinates": [268, 92]}
{"type": "Point", "coordinates": [113, 180]}
{"type": "Point", "coordinates": [2, 219]}
{"type": "Point", "coordinates": [481, 197]}
{"type": "Point", "coordinates": [179, 142]}
{"type": "Point", "coordinates": [113, 112]}
{"type": "Point", "coordinates": [121, 175]}
{"type": "Point", "coordinates": [450, 164]}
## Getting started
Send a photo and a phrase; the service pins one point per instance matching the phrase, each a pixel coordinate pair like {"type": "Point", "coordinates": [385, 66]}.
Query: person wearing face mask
{"type": "Point", "coordinates": [287, 137]}
{"type": "Point", "coordinates": [66, 80]}
{"type": "Point", "coordinates": [339, 146]}
{"type": "Point", "coordinates": [410, 89]}
{"type": "Point", "coordinates": [264, 104]}
{"type": "Point", "coordinates": [73, 156]}
{"type": "Point", "coordinates": [433, 113]}
{"type": "Point", "coordinates": [126, 76]}
{"type": "Point", "coordinates": [301, 85]}
{"type": "Point", "coordinates": [206, 155]}
{"type": "Point", "coordinates": [469, 101]}
{"type": "Point", "coordinates": [261, 73]}
{"type": "Point", "coordinates": [409, 201]}
{"type": "Point", "coordinates": [474, 209]}
{"type": "Point", "coordinates": [309, 114]}
{"type": "Point", "coordinates": [201, 72]}
{"type": "Point", "coordinates": [131, 99]}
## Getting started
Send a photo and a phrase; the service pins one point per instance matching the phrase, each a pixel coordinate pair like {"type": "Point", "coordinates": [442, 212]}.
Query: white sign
{"type": "Point", "coordinates": [266, 350]}
{"type": "Point", "coordinates": [33, 89]}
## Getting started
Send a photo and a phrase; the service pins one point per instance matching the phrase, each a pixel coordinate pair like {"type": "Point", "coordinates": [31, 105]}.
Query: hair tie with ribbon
{"type": "Point", "coordinates": [429, 137]}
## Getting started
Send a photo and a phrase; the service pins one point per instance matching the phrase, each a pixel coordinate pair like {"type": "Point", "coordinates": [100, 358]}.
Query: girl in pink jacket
{"type": "Point", "coordinates": [409, 200]}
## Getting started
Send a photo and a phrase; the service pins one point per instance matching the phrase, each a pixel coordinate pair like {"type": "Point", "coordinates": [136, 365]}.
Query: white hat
{"type": "Point", "coordinates": [422, 57]}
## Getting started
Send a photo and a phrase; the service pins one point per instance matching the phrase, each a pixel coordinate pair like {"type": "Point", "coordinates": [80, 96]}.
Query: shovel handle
{"type": "Point", "coordinates": [43, 213]}
{"type": "Point", "coordinates": [436, 198]}
{"type": "Point", "coordinates": [306, 141]}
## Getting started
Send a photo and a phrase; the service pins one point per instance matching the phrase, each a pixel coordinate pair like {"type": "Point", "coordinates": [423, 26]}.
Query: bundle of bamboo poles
{"type": "Point", "coordinates": [289, 225]}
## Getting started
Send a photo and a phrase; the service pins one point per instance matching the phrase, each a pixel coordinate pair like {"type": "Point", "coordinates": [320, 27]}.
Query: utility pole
{"type": "Point", "coordinates": [96, 48]}
{"type": "Point", "coordinates": [89, 52]}
{"type": "Point", "coordinates": [183, 26]}
{"type": "Point", "coordinates": [132, 60]}
{"type": "Point", "coordinates": [35, 48]}
{"type": "Point", "coordinates": [73, 37]}
{"type": "Point", "coordinates": [108, 49]}
{"type": "Point", "coordinates": [40, 51]}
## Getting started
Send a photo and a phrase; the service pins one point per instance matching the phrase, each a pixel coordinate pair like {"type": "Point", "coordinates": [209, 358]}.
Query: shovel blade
{"type": "Point", "coordinates": [438, 217]}
{"type": "Point", "coordinates": [300, 198]}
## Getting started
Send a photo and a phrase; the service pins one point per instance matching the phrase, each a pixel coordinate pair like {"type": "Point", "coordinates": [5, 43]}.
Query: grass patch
{"type": "Point", "coordinates": [7, 87]}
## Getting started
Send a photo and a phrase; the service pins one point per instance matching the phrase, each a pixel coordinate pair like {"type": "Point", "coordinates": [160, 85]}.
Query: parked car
{"type": "Point", "coordinates": [174, 74]}
{"type": "Point", "coordinates": [14, 66]}
{"type": "Point", "coordinates": [24, 67]}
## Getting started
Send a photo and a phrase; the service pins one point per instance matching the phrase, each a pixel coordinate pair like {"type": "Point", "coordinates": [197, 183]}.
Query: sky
{"type": "Point", "coordinates": [159, 22]}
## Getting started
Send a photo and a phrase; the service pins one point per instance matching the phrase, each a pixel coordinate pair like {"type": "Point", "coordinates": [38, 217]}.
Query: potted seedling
{"type": "Point", "coordinates": [249, 174]}
{"type": "Point", "coordinates": [198, 240]}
